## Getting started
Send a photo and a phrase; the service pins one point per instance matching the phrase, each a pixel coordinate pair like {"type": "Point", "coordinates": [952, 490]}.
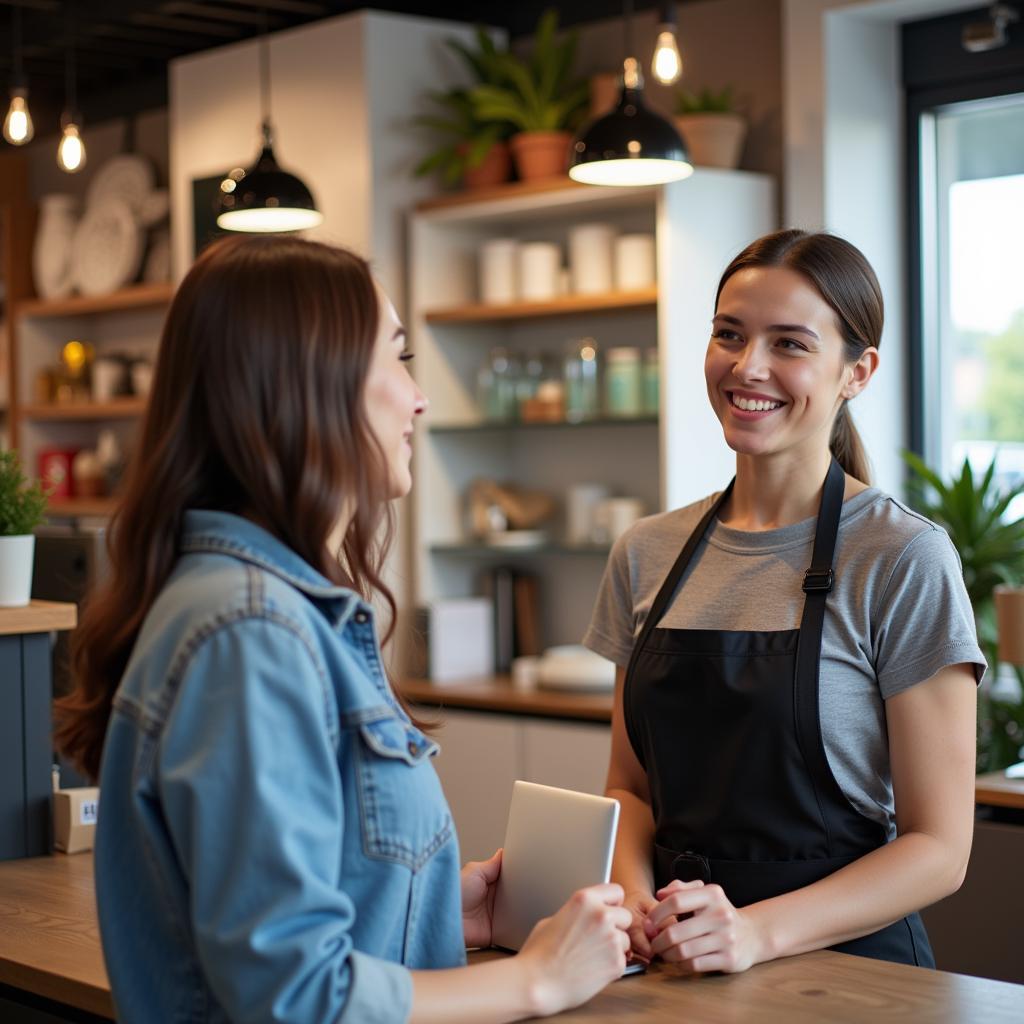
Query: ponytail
{"type": "Point", "coordinates": [847, 447]}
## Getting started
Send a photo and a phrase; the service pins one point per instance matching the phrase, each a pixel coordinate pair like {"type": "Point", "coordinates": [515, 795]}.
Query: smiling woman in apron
{"type": "Point", "coordinates": [794, 725]}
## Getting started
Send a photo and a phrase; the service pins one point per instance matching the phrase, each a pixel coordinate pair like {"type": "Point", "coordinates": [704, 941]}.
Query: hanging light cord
{"type": "Point", "coordinates": [265, 81]}
{"type": "Point", "coordinates": [628, 17]}
{"type": "Point", "coordinates": [69, 71]}
{"type": "Point", "coordinates": [16, 36]}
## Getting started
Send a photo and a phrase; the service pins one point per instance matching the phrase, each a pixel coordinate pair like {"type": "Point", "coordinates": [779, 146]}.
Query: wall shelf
{"type": "Point", "coordinates": [139, 296]}
{"type": "Point", "coordinates": [499, 426]}
{"type": "Point", "coordinates": [115, 409]}
{"type": "Point", "coordinates": [81, 506]}
{"type": "Point", "coordinates": [564, 305]}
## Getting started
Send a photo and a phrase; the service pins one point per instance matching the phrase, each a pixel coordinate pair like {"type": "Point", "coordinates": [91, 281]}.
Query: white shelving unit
{"type": "Point", "coordinates": [667, 460]}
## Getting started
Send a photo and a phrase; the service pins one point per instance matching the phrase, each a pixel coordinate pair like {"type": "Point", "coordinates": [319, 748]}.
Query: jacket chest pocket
{"type": "Point", "coordinates": [403, 811]}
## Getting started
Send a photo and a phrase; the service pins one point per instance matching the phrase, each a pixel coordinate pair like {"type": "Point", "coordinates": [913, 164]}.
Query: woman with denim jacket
{"type": "Point", "coordinates": [274, 844]}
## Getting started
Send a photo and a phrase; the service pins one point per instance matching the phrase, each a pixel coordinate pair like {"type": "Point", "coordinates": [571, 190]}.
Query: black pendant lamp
{"type": "Point", "coordinates": [266, 199]}
{"type": "Point", "coordinates": [632, 145]}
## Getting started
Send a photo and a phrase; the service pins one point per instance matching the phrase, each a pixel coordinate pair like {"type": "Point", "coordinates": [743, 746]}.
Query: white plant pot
{"type": "Point", "coordinates": [714, 140]}
{"type": "Point", "coordinates": [16, 555]}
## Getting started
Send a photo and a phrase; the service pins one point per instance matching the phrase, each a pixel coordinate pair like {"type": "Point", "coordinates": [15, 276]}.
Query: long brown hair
{"type": "Point", "coordinates": [843, 277]}
{"type": "Point", "coordinates": [256, 409]}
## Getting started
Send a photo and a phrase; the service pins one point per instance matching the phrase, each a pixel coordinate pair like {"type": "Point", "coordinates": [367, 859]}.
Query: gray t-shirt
{"type": "Point", "coordinates": [898, 613]}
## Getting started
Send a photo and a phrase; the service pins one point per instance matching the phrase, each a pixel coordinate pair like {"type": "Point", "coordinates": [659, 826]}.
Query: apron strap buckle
{"type": "Point", "coordinates": [818, 581]}
{"type": "Point", "coordinates": [690, 866]}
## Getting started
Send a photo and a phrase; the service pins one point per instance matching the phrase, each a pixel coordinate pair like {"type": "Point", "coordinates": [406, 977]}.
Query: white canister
{"type": "Point", "coordinates": [540, 266]}
{"type": "Point", "coordinates": [581, 501]}
{"type": "Point", "coordinates": [498, 267]}
{"type": "Point", "coordinates": [614, 516]}
{"type": "Point", "coordinates": [16, 570]}
{"type": "Point", "coordinates": [107, 378]}
{"type": "Point", "coordinates": [634, 262]}
{"type": "Point", "coordinates": [590, 258]}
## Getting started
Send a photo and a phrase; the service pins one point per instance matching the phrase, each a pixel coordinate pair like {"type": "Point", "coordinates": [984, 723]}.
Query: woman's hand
{"type": "Point", "coordinates": [572, 956]}
{"type": "Point", "coordinates": [478, 883]}
{"type": "Point", "coordinates": [713, 936]}
{"type": "Point", "coordinates": [639, 903]}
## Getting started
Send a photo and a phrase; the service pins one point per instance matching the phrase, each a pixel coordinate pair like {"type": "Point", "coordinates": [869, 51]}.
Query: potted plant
{"type": "Point", "coordinates": [22, 507]}
{"type": "Point", "coordinates": [711, 128]}
{"type": "Point", "coordinates": [473, 150]}
{"type": "Point", "coordinates": [539, 96]}
{"type": "Point", "coordinates": [991, 551]}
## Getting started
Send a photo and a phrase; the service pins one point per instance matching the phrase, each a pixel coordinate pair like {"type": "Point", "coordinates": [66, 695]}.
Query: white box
{"type": "Point", "coordinates": [74, 818]}
{"type": "Point", "coordinates": [460, 639]}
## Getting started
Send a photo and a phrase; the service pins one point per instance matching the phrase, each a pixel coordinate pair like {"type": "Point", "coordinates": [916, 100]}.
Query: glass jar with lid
{"type": "Point", "coordinates": [623, 382]}
{"type": "Point", "coordinates": [497, 383]}
{"type": "Point", "coordinates": [580, 370]}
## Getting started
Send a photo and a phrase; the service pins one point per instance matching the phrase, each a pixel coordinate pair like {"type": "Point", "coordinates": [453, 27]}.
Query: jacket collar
{"type": "Point", "coordinates": [227, 534]}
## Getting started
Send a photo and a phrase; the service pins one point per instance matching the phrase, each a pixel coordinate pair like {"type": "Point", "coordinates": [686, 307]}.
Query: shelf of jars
{"type": "Point", "coordinates": [115, 409]}
{"type": "Point", "coordinates": [562, 305]}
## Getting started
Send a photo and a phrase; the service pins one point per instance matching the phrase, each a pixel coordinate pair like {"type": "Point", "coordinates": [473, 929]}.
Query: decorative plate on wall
{"type": "Point", "coordinates": [51, 254]}
{"type": "Point", "coordinates": [128, 177]}
{"type": "Point", "coordinates": [108, 248]}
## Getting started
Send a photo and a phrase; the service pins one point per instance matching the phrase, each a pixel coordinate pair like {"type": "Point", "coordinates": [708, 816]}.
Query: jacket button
{"type": "Point", "coordinates": [361, 618]}
{"type": "Point", "coordinates": [413, 749]}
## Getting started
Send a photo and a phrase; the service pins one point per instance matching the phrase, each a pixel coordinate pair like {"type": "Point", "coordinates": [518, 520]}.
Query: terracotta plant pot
{"type": "Point", "coordinates": [495, 168]}
{"type": "Point", "coordinates": [541, 154]}
{"type": "Point", "coordinates": [714, 140]}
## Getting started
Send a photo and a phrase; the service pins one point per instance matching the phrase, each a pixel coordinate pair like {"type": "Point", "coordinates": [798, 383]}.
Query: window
{"type": "Point", "coordinates": [966, 192]}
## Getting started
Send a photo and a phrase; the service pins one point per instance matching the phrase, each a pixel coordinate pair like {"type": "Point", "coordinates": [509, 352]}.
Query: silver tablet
{"type": "Point", "coordinates": [557, 841]}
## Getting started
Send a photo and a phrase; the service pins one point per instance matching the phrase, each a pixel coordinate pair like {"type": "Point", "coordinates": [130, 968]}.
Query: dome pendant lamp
{"type": "Point", "coordinates": [632, 145]}
{"type": "Point", "coordinates": [266, 199]}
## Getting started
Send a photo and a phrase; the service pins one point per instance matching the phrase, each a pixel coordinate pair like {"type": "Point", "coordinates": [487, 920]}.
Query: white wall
{"type": "Point", "coordinates": [343, 92]}
{"type": "Point", "coordinates": [844, 144]}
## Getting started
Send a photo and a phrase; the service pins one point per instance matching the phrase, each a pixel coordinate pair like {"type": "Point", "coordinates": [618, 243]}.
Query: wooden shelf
{"type": "Point", "coordinates": [116, 409]}
{"type": "Point", "coordinates": [495, 426]}
{"type": "Point", "coordinates": [564, 305]}
{"type": "Point", "coordinates": [510, 190]}
{"type": "Point", "coordinates": [81, 506]}
{"type": "Point", "coordinates": [139, 296]}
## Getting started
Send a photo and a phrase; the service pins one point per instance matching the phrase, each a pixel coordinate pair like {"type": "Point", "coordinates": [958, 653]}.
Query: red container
{"type": "Point", "coordinates": [55, 471]}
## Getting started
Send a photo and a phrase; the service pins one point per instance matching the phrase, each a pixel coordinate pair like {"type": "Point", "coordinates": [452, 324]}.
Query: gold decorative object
{"type": "Point", "coordinates": [519, 508]}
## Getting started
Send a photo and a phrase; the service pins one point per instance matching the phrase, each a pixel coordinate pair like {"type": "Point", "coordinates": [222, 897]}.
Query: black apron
{"type": "Point", "coordinates": [725, 723]}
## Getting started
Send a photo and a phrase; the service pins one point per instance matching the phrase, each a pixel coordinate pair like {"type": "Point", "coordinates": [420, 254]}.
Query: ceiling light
{"type": "Point", "coordinates": [18, 123]}
{"type": "Point", "coordinates": [266, 199]}
{"type": "Point", "coordinates": [667, 63]}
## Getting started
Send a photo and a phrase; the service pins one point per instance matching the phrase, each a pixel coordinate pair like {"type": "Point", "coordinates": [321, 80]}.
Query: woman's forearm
{"type": "Point", "coordinates": [488, 993]}
{"type": "Point", "coordinates": [909, 873]}
{"type": "Point", "coordinates": [632, 865]}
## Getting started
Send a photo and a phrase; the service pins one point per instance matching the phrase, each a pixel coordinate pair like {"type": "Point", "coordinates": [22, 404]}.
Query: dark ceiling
{"type": "Point", "coordinates": [121, 47]}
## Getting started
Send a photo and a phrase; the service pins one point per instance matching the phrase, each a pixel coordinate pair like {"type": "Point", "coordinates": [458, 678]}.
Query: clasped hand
{"type": "Point", "coordinates": [712, 935]}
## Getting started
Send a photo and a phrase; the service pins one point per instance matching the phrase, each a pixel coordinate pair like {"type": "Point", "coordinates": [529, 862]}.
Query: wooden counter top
{"type": "Point", "coordinates": [38, 617]}
{"type": "Point", "coordinates": [498, 694]}
{"type": "Point", "coordinates": [49, 945]}
{"type": "Point", "coordinates": [996, 790]}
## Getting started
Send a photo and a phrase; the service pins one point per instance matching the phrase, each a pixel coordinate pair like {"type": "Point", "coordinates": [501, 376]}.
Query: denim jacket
{"type": "Point", "coordinates": [273, 843]}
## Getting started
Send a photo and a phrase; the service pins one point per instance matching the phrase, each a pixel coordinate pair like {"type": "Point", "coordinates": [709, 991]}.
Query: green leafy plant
{"type": "Point", "coordinates": [537, 93]}
{"type": "Point", "coordinates": [22, 505]}
{"type": "Point", "coordinates": [991, 549]}
{"type": "Point", "coordinates": [707, 101]}
{"type": "Point", "coordinates": [466, 137]}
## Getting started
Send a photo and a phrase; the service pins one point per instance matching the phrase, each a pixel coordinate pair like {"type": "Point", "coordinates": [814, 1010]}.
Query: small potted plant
{"type": "Point", "coordinates": [473, 150]}
{"type": "Point", "coordinates": [538, 95]}
{"type": "Point", "coordinates": [711, 128]}
{"type": "Point", "coordinates": [22, 507]}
